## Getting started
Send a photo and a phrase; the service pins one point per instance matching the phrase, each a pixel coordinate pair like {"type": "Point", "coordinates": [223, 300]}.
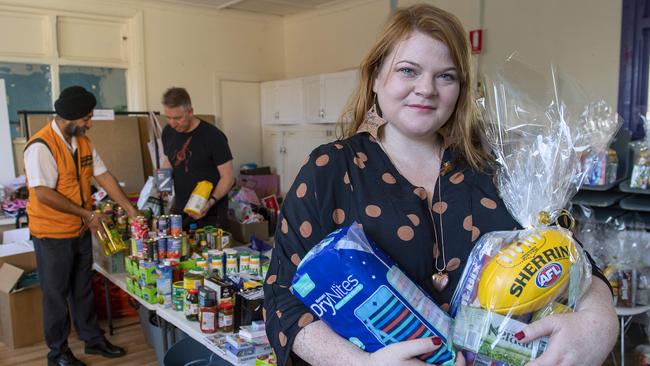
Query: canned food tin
{"type": "Point", "coordinates": [255, 264]}
{"type": "Point", "coordinates": [154, 250]}
{"type": "Point", "coordinates": [244, 262]}
{"type": "Point", "coordinates": [174, 247]}
{"type": "Point", "coordinates": [162, 247]}
{"type": "Point", "coordinates": [148, 249]}
{"type": "Point", "coordinates": [139, 247]}
{"type": "Point", "coordinates": [203, 264]}
{"type": "Point", "coordinates": [107, 209]}
{"type": "Point", "coordinates": [216, 239]}
{"type": "Point", "coordinates": [121, 218]}
{"type": "Point", "coordinates": [231, 263]}
{"type": "Point", "coordinates": [162, 226]}
{"type": "Point", "coordinates": [192, 280]}
{"type": "Point", "coordinates": [139, 228]}
{"type": "Point", "coordinates": [185, 248]}
{"type": "Point", "coordinates": [178, 295]}
{"type": "Point", "coordinates": [216, 266]}
{"type": "Point", "coordinates": [176, 224]}
{"type": "Point", "coordinates": [134, 248]}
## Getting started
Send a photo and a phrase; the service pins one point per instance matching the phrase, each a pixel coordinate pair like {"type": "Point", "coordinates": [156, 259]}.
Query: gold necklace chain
{"type": "Point", "coordinates": [442, 232]}
{"type": "Point", "coordinates": [433, 222]}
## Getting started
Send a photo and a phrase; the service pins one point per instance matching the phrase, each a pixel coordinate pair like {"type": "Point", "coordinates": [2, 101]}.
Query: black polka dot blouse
{"type": "Point", "coordinates": [354, 180]}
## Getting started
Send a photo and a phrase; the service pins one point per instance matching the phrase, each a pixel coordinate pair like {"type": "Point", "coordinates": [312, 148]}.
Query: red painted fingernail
{"type": "Point", "coordinates": [436, 341]}
{"type": "Point", "coordinates": [520, 335]}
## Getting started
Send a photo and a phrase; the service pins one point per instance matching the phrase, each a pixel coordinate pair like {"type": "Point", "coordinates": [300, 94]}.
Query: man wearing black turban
{"type": "Point", "coordinates": [59, 163]}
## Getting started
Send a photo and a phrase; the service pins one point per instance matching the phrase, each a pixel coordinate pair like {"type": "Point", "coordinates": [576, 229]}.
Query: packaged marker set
{"type": "Point", "coordinates": [513, 278]}
{"type": "Point", "coordinates": [368, 300]}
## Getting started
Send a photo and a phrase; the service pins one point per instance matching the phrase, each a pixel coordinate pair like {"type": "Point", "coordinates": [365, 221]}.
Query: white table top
{"type": "Point", "coordinates": [176, 318]}
{"type": "Point", "coordinates": [6, 220]}
{"type": "Point", "coordinates": [632, 311]}
{"type": "Point", "coordinates": [119, 279]}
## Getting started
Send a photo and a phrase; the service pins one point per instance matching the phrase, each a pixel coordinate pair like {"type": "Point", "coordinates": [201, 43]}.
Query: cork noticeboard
{"type": "Point", "coordinates": [117, 142]}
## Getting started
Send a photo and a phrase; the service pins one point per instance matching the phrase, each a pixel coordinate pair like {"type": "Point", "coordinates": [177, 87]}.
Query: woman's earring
{"type": "Point", "coordinates": [372, 121]}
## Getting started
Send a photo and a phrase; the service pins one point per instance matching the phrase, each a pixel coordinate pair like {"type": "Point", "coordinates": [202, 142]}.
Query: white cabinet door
{"type": "Point", "coordinates": [311, 90]}
{"type": "Point", "coordinates": [268, 100]}
{"type": "Point", "coordinates": [299, 145]}
{"type": "Point", "coordinates": [335, 91]}
{"type": "Point", "coordinates": [289, 101]}
{"type": "Point", "coordinates": [273, 150]}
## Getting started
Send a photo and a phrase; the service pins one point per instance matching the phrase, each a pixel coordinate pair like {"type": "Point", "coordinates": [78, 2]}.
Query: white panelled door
{"type": "Point", "coordinates": [7, 169]}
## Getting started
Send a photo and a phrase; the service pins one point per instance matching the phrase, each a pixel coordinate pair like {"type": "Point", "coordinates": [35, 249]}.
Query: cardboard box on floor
{"type": "Point", "coordinates": [111, 264]}
{"type": "Point", "coordinates": [21, 312]}
{"type": "Point", "coordinates": [242, 232]}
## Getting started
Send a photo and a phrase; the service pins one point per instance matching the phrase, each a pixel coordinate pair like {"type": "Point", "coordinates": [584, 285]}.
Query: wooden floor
{"type": "Point", "coordinates": [138, 352]}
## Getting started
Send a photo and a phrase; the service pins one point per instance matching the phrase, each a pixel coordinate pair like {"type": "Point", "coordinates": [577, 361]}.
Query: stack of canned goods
{"type": "Point", "coordinates": [139, 232]}
{"type": "Point", "coordinates": [165, 241]}
{"type": "Point", "coordinates": [116, 217]}
{"type": "Point", "coordinates": [157, 248]}
{"type": "Point", "coordinates": [170, 234]}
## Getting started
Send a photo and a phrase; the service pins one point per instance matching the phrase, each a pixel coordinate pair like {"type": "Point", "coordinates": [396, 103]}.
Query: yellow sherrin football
{"type": "Point", "coordinates": [526, 275]}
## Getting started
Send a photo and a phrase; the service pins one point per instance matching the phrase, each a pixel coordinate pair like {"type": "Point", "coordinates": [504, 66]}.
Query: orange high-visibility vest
{"type": "Point", "coordinates": [75, 172]}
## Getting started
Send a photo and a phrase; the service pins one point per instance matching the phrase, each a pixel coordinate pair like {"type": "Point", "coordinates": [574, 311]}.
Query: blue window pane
{"type": "Point", "coordinates": [29, 87]}
{"type": "Point", "coordinates": [107, 84]}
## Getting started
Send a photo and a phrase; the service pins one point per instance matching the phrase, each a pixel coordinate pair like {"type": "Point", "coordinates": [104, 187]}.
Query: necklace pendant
{"type": "Point", "coordinates": [440, 280]}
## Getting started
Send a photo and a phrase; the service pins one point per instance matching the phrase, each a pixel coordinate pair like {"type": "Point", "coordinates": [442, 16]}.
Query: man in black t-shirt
{"type": "Point", "coordinates": [196, 151]}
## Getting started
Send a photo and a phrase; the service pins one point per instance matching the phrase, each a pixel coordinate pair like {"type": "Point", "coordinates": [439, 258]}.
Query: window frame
{"type": "Point", "coordinates": [634, 65]}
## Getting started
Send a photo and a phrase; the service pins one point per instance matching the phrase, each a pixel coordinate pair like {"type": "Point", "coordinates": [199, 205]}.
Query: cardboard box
{"type": "Point", "coordinates": [242, 232]}
{"type": "Point", "coordinates": [21, 311]}
{"type": "Point", "coordinates": [263, 185]}
{"type": "Point", "coordinates": [112, 264]}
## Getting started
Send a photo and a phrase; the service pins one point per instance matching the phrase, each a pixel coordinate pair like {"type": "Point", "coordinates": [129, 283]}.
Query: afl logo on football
{"type": "Point", "coordinates": [548, 275]}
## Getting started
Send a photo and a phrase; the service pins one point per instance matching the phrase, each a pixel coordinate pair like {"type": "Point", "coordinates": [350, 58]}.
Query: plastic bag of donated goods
{"type": "Point", "coordinates": [512, 278]}
{"type": "Point", "coordinates": [359, 292]}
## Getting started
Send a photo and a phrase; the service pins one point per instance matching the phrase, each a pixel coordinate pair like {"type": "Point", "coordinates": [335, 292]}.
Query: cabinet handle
{"type": "Point", "coordinates": [329, 133]}
{"type": "Point", "coordinates": [277, 115]}
{"type": "Point", "coordinates": [283, 150]}
{"type": "Point", "coordinates": [322, 113]}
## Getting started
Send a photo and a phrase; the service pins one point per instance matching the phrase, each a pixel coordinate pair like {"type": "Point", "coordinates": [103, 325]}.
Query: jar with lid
{"type": "Point", "coordinates": [192, 305]}
{"type": "Point", "coordinates": [612, 166]}
{"type": "Point", "coordinates": [639, 177]}
{"type": "Point", "coordinates": [226, 312]}
{"type": "Point", "coordinates": [208, 315]}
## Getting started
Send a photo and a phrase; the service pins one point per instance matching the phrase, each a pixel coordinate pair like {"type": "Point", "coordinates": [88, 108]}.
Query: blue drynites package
{"type": "Point", "coordinates": [359, 292]}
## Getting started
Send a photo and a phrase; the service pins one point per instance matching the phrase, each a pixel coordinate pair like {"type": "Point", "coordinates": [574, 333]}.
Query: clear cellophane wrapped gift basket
{"type": "Point", "coordinates": [538, 128]}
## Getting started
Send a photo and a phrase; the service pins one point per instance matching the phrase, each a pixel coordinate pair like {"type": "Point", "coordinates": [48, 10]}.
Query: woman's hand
{"type": "Point", "coordinates": [407, 352]}
{"type": "Point", "coordinates": [585, 337]}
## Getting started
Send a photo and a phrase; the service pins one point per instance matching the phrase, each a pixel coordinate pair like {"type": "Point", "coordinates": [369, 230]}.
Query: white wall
{"type": "Point", "coordinates": [334, 38]}
{"type": "Point", "coordinates": [174, 45]}
{"type": "Point", "coordinates": [7, 168]}
{"type": "Point", "coordinates": [581, 36]}
{"type": "Point", "coordinates": [192, 47]}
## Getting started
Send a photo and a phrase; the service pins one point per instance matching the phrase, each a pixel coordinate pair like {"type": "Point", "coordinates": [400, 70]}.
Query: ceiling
{"type": "Point", "coordinates": [268, 7]}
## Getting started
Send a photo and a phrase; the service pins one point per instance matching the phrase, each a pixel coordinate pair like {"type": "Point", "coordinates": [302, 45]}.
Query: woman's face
{"type": "Point", "coordinates": [417, 86]}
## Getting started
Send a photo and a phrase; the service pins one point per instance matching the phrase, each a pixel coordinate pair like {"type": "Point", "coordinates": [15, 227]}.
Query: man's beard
{"type": "Point", "coordinates": [72, 130]}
